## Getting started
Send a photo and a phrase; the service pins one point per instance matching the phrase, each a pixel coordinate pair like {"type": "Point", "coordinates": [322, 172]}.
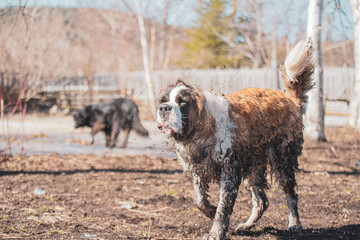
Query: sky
{"type": "Point", "coordinates": [289, 16]}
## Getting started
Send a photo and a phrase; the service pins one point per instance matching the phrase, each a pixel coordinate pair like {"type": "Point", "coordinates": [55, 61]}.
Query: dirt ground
{"type": "Point", "coordinates": [144, 197]}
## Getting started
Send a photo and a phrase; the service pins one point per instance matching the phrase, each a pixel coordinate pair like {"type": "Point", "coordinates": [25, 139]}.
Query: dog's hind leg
{"type": "Point", "coordinates": [292, 199]}
{"type": "Point", "coordinates": [115, 130]}
{"type": "Point", "coordinates": [107, 136]}
{"type": "Point", "coordinates": [113, 137]}
{"type": "Point", "coordinates": [126, 137]}
{"type": "Point", "coordinates": [259, 200]}
{"type": "Point", "coordinates": [285, 174]}
{"type": "Point", "coordinates": [259, 205]}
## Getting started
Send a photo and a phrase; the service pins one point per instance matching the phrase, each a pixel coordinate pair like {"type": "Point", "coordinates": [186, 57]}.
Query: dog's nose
{"type": "Point", "coordinates": [163, 108]}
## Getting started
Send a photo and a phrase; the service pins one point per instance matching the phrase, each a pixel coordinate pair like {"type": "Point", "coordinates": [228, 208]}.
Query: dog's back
{"type": "Point", "coordinates": [269, 122]}
{"type": "Point", "coordinates": [128, 113]}
{"type": "Point", "coordinates": [264, 113]}
{"type": "Point", "coordinates": [267, 113]}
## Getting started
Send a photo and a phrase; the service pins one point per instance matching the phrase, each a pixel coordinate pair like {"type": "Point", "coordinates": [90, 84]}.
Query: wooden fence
{"type": "Point", "coordinates": [338, 83]}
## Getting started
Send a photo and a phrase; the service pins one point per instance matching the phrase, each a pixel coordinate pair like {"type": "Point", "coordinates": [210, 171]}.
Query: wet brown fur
{"type": "Point", "coordinates": [266, 119]}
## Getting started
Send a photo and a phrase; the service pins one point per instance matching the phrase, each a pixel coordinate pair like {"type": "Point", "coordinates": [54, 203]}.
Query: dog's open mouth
{"type": "Point", "coordinates": [165, 128]}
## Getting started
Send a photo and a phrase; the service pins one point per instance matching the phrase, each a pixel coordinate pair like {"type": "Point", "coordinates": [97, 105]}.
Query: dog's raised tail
{"type": "Point", "coordinates": [298, 70]}
{"type": "Point", "coordinates": [138, 127]}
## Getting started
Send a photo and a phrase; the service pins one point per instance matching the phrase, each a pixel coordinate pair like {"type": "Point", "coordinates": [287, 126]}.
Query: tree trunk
{"type": "Point", "coordinates": [161, 52]}
{"type": "Point", "coordinates": [152, 46]}
{"type": "Point", "coordinates": [167, 56]}
{"type": "Point", "coordinates": [315, 112]}
{"type": "Point", "coordinates": [354, 108]}
{"type": "Point", "coordinates": [148, 79]}
{"type": "Point", "coordinates": [258, 36]}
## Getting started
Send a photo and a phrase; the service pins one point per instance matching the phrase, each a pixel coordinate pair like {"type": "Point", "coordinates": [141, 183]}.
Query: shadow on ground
{"type": "Point", "coordinates": [69, 172]}
{"type": "Point", "coordinates": [344, 232]}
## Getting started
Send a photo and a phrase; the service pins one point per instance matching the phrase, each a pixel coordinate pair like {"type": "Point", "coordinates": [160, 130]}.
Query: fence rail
{"type": "Point", "coordinates": [338, 81]}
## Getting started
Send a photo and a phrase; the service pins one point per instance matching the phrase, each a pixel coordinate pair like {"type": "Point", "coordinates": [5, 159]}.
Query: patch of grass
{"type": "Point", "coordinates": [44, 209]}
{"type": "Point", "coordinates": [183, 211]}
{"type": "Point", "coordinates": [20, 229]}
{"type": "Point", "coordinates": [195, 210]}
{"type": "Point", "coordinates": [84, 219]}
{"type": "Point", "coordinates": [55, 231]}
{"type": "Point", "coordinates": [53, 198]}
{"type": "Point", "coordinates": [172, 193]}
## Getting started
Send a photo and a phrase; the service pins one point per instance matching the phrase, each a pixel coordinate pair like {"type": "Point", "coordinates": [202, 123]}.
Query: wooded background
{"type": "Point", "coordinates": [46, 46]}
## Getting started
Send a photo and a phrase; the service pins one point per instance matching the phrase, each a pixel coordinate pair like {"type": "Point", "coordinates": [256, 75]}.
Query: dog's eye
{"type": "Point", "coordinates": [164, 99]}
{"type": "Point", "coordinates": [182, 102]}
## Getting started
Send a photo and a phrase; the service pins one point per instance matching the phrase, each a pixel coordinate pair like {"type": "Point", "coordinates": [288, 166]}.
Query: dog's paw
{"type": "Point", "coordinates": [295, 229]}
{"type": "Point", "coordinates": [212, 236]}
{"type": "Point", "coordinates": [243, 227]}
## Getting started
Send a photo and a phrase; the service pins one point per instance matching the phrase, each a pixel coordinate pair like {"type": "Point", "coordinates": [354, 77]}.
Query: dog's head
{"type": "Point", "coordinates": [179, 109]}
{"type": "Point", "coordinates": [82, 116]}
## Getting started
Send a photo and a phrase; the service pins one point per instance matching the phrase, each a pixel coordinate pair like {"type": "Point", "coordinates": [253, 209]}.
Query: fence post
{"type": "Point", "coordinates": [275, 68]}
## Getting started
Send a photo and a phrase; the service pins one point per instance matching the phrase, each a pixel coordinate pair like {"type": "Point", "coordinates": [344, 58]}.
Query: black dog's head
{"type": "Point", "coordinates": [179, 110]}
{"type": "Point", "coordinates": [82, 116]}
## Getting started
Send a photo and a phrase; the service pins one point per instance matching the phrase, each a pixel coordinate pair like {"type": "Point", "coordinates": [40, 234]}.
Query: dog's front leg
{"type": "Point", "coordinates": [97, 127]}
{"type": "Point", "coordinates": [229, 184]}
{"type": "Point", "coordinates": [200, 197]}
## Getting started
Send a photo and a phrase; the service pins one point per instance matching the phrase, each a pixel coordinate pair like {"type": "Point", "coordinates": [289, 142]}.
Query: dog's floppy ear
{"type": "Point", "coordinates": [181, 82]}
{"type": "Point", "coordinates": [86, 111]}
{"type": "Point", "coordinates": [76, 112]}
{"type": "Point", "coordinates": [200, 99]}
{"type": "Point", "coordinates": [197, 94]}
{"type": "Point", "coordinates": [88, 108]}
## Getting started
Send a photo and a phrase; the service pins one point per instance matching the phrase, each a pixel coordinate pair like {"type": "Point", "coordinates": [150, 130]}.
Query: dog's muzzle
{"type": "Point", "coordinates": [164, 109]}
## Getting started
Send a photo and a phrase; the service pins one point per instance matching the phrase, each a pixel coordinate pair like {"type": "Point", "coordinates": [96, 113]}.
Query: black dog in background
{"type": "Point", "coordinates": [111, 117]}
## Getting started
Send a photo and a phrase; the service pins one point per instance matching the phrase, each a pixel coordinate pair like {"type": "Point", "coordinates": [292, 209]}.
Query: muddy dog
{"type": "Point", "coordinates": [111, 117]}
{"type": "Point", "coordinates": [226, 139]}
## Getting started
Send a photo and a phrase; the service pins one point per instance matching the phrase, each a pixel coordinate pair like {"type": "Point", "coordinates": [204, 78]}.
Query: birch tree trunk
{"type": "Point", "coordinates": [167, 55]}
{"type": "Point", "coordinates": [152, 46]}
{"type": "Point", "coordinates": [315, 112]}
{"type": "Point", "coordinates": [161, 52]}
{"type": "Point", "coordinates": [354, 108]}
{"type": "Point", "coordinates": [148, 78]}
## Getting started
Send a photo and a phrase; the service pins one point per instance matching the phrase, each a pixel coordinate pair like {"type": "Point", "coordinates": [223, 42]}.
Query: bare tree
{"type": "Point", "coordinates": [148, 77]}
{"type": "Point", "coordinates": [354, 108]}
{"type": "Point", "coordinates": [161, 54]}
{"type": "Point", "coordinates": [315, 113]}
{"type": "Point", "coordinates": [165, 52]}
{"type": "Point", "coordinates": [252, 30]}
{"type": "Point", "coordinates": [31, 51]}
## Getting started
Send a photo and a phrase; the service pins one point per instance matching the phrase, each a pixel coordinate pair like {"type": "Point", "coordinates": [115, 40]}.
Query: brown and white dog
{"type": "Point", "coordinates": [230, 138]}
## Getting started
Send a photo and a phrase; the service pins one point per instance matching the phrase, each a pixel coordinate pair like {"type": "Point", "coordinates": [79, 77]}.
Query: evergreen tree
{"type": "Point", "coordinates": [206, 47]}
